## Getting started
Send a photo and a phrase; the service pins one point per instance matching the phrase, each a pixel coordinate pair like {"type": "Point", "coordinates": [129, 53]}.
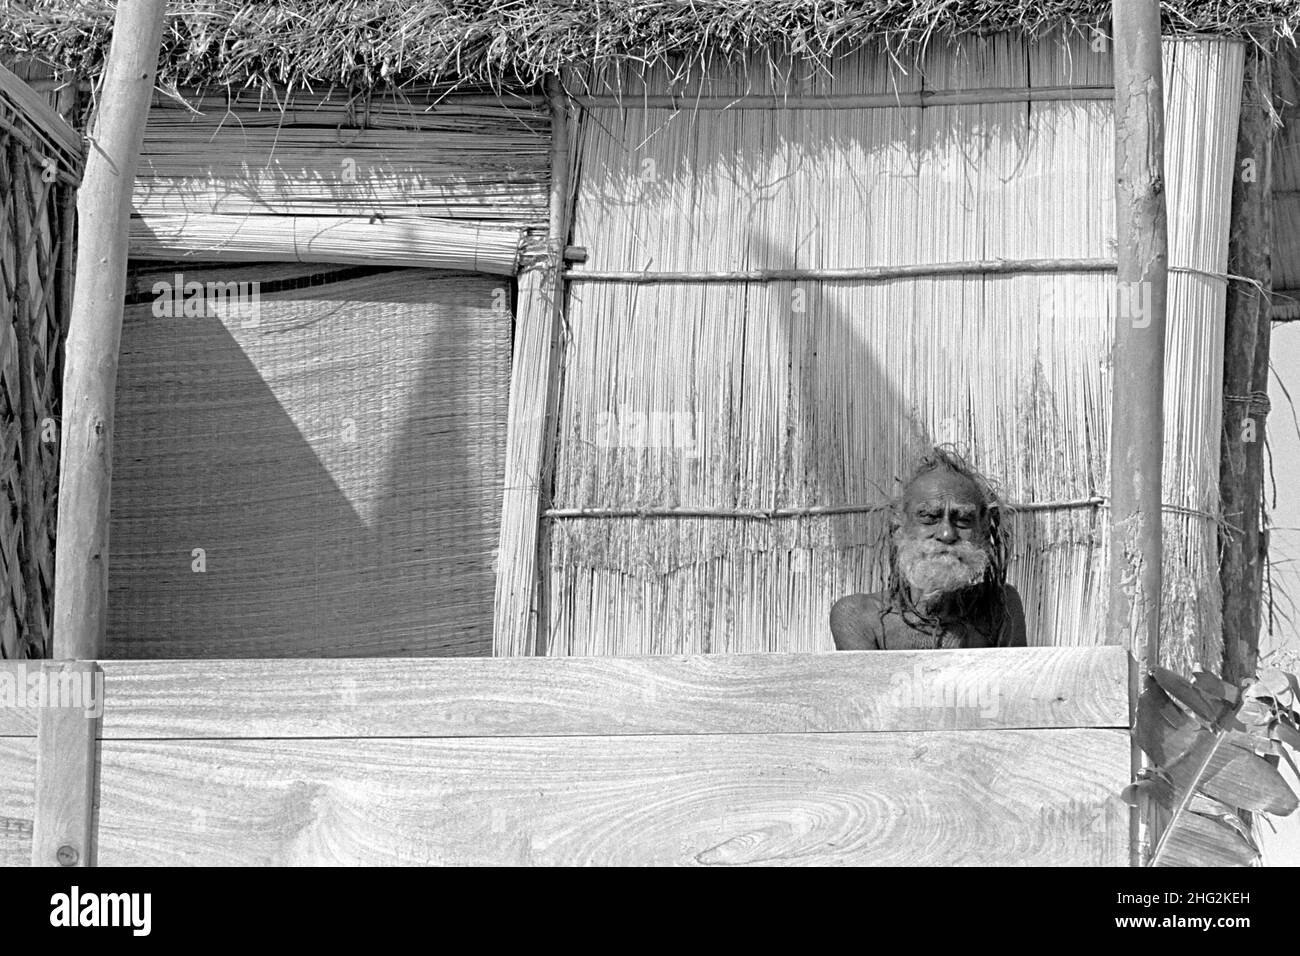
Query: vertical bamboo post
{"type": "Point", "coordinates": [1138, 358]}
{"type": "Point", "coordinates": [533, 384]}
{"type": "Point", "coordinates": [1245, 374]}
{"type": "Point", "coordinates": [95, 331]}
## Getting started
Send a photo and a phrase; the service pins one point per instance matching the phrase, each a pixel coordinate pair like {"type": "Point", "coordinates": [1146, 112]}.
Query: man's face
{"type": "Point", "coordinates": [944, 506]}
{"type": "Point", "coordinates": [943, 539]}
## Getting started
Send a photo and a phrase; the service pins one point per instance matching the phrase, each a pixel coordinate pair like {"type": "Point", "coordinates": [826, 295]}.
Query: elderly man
{"type": "Point", "coordinates": [947, 570]}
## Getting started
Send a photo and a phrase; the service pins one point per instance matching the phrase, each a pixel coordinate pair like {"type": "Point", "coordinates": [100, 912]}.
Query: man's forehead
{"type": "Point", "coordinates": [940, 484]}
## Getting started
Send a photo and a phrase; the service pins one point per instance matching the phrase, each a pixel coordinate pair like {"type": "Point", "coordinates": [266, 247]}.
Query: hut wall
{"type": "Point", "coordinates": [35, 144]}
{"type": "Point", "coordinates": [745, 395]}
{"type": "Point", "coordinates": [312, 471]}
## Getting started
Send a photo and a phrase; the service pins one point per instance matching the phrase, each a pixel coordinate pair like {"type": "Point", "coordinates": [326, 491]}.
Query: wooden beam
{"type": "Point", "coordinates": [1138, 356]}
{"type": "Point", "coordinates": [941, 798]}
{"type": "Point", "coordinates": [95, 330]}
{"type": "Point", "coordinates": [861, 692]}
{"type": "Point", "coordinates": [713, 759]}
{"type": "Point", "coordinates": [1245, 374]}
{"type": "Point", "coordinates": [17, 799]}
{"type": "Point", "coordinates": [67, 725]}
{"type": "Point", "coordinates": [533, 380]}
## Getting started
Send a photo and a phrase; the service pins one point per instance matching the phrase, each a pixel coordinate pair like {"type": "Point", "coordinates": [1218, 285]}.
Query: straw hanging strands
{"type": "Point", "coordinates": [444, 183]}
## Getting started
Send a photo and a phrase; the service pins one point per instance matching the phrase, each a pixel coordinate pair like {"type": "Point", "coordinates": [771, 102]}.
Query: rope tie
{"type": "Point", "coordinates": [1257, 403]}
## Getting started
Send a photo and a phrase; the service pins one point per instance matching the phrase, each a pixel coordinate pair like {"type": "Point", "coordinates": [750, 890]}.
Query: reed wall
{"type": "Point", "coordinates": [728, 396]}
{"type": "Point", "coordinates": [414, 180]}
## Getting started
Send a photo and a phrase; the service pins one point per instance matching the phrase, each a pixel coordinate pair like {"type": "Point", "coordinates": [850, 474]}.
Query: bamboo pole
{"type": "Point", "coordinates": [531, 422]}
{"type": "Point", "coordinates": [1245, 375]}
{"type": "Point", "coordinates": [773, 514]}
{"type": "Point", "coordinates": [861, 273]}
{"type": "Point", "coordinates": [95, 330]}
{"type": "Point", "coordinates": [1138, 358]}
{"type": "Point", "coordinates": [855, 101]}
{"type": "Point", "coordinates": [1137, 404]}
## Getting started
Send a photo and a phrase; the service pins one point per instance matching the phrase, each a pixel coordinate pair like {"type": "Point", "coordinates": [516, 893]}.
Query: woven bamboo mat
{"type": "Point", "coordinates": [335, 468]}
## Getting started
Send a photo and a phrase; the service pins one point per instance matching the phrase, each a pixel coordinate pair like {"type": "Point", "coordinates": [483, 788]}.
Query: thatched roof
{"type": "Point", "coordinates": [366, 44]}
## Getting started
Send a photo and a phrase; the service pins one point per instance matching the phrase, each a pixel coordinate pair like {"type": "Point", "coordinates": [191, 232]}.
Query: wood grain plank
{"type": "Point", "coordinates": [741, 694]}
{"type": "Point", "coordinates": [17, 799]}
{"type": "Point", "coordinates": [65, 768]}
{"type": "Point", "coordinates": [1031, 797]}
{"type": "Point", "coordinates": [17, 719]}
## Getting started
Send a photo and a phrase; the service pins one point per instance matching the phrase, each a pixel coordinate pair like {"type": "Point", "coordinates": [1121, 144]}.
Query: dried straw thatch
{"type": "Point", "coordinates": [729, 396]}
{"type": "Point", "coordinates": [364, 44]}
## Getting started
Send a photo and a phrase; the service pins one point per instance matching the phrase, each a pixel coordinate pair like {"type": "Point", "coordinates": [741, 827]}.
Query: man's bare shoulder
{"type": "Point", "coordinates": [855, 622]}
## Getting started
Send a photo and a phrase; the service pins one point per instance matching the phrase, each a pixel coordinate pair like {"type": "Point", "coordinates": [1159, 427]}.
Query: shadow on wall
{"type": "Point", "coordinates": [305, 487]}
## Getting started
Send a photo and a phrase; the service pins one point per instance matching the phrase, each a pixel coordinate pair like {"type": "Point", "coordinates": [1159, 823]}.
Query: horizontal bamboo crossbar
{"type": "Point", "coordinates": [919, 99]}
{"type": "Point", "coordinates": [861, 273]}
{"type": "Point", "coordinates": [912, 100]}
{"type": "Point", "coordinates": [824, 511]}
{"type": "Point", "coordinates": [1038, 687]}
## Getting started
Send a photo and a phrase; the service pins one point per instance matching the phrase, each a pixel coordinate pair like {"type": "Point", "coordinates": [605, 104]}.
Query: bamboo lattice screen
{"type": "Point", "coordinates": [40, 158]}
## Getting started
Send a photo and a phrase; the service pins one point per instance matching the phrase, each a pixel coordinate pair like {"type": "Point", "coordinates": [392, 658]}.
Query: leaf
{"type": "Point", "coordinates": [1162, 729]}
{"type": "Point", "coordinates": [1284, 732]}
{"type": "Point", "coordinates": [1216, 809]}
{"type": "Point", "coordinates": [1187, 695]}
{"type": "Point", "coordinates": [1214, 688]}
{"type": "Point", "coordinates": [1226, 768]}
{"type": "Point", "coordinates": [1278, 682]}
{"type": "Point", "coordinates": [1153, 788]}
{"type": "Point", "coordinates": [1193, 839]}
{"type": "Point", "coordinates": [1266, 747]}
{"type": "Point", "coordinates": [1256, 691]}
{"type": "Point", "coordinates": [1255, 713]}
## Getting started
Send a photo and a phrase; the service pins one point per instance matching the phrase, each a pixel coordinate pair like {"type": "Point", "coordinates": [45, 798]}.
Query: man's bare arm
{"type": "Point", "coordinates": [855, 623]}
{"type": "Point", "coordinates": [1013, 632]}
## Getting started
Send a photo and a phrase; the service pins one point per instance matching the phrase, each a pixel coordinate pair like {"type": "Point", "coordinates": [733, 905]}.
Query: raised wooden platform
{"type": "Point", "coordinates": [1011, 756]}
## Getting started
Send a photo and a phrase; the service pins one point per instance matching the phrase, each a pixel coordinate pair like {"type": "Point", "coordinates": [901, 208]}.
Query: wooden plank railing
{"type": "Point", "coordinates": [936, 757]}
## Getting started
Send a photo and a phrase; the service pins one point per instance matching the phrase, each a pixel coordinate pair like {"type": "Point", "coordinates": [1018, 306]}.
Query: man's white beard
{"type": "Point", "coordinates": [934, 570]}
